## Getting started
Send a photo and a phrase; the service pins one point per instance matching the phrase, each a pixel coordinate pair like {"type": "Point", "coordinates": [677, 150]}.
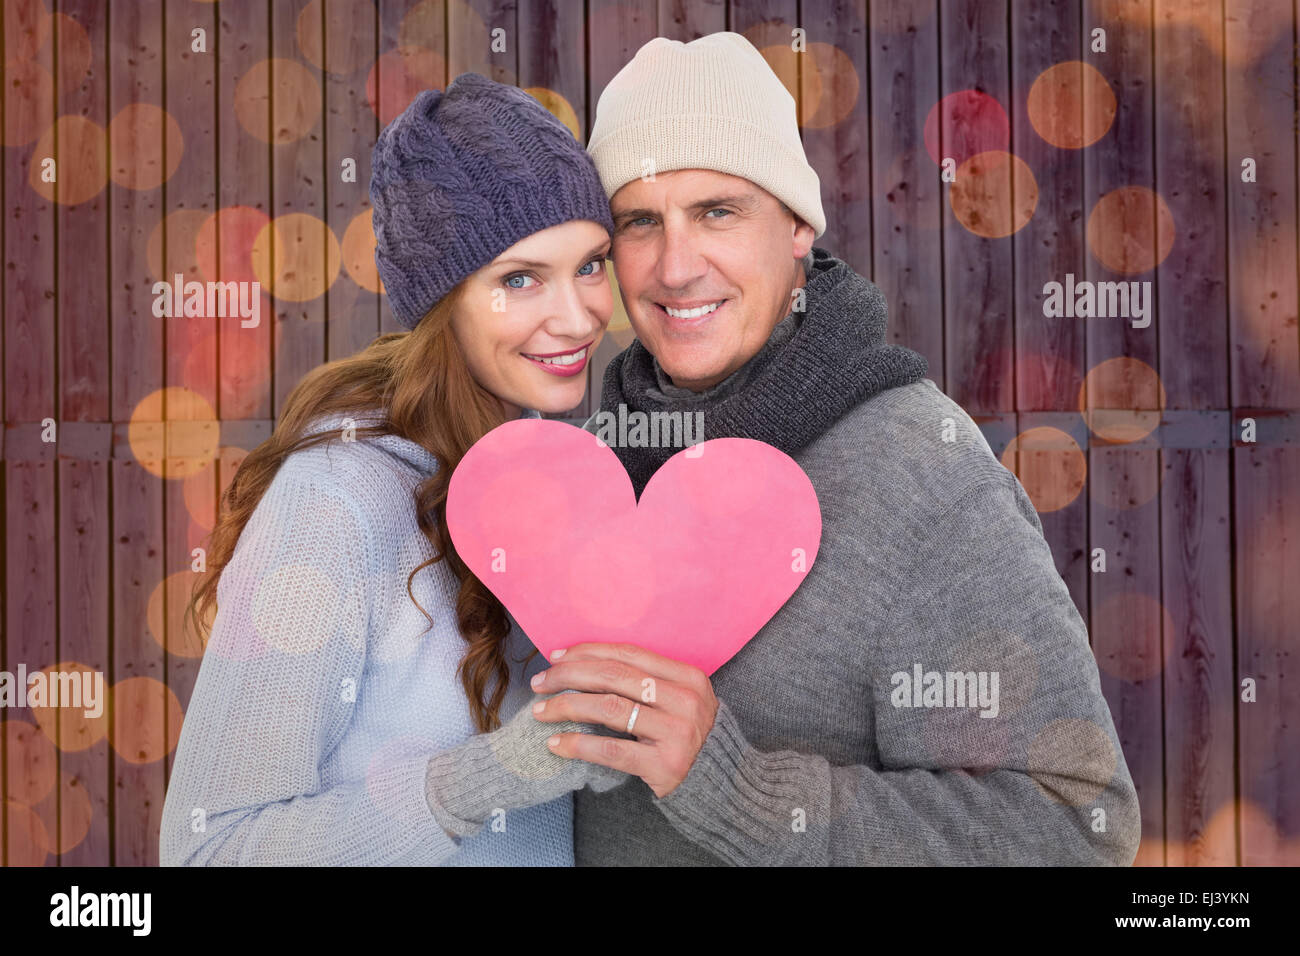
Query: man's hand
{"type": "Point", "coordinates": [676, 709]}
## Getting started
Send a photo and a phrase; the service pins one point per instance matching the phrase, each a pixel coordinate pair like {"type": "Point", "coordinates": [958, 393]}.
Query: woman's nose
{"type": "Point", "coordinates": [575, 316]}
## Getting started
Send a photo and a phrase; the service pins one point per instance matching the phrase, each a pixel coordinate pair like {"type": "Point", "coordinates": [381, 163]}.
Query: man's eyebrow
{"type": "Point", "coordinates": [744, 200]}
{"type": "Point", "coordinates": [530, 264]}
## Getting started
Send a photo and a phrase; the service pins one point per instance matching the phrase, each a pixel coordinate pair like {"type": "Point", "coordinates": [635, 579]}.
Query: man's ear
{"type": "Point", "coordinates": [803, 235]}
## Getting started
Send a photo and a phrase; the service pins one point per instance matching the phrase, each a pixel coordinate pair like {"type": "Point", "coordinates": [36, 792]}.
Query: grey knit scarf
{"type": "Point", "coordinates": [816, 366]}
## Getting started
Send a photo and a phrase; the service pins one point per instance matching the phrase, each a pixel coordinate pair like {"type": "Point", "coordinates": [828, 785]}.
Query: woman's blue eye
{"type": "Point", "coordinates": [593, 262]}
{"type": "Point", "coordinates": [518, 275]}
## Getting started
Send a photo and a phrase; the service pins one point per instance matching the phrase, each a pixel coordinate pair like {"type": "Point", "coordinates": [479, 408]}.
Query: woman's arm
{"type": "Point", "coordinates": [275, 695]}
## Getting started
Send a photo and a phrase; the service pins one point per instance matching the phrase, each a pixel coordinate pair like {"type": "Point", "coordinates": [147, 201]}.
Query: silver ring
{"type": "Point", "coordinates": [636, 709]}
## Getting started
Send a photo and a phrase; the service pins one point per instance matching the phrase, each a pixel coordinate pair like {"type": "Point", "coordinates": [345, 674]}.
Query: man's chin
{"type": "Point", "coordinates": [695, 378]}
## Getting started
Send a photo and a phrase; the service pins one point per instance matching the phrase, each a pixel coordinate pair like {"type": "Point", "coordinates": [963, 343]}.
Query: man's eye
{"type": "Point", "coordinates": [719, 209]}
{"type": "Point", "coordinates": [510, 280]}
{"type": "Point", "coordinates": [633, 222]}
{"type": "Point", "coordinates": [594, 262]}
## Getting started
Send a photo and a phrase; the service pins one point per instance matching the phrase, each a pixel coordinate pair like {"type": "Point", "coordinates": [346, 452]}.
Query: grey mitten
{"type": "Point", "coordinates": [508, 768]}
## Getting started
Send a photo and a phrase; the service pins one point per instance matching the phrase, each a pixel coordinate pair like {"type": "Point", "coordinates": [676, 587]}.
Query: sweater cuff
{"type": "Point", "coordinates": [398, 790]}
{"type": "Point", "coordinates": [736, 801]}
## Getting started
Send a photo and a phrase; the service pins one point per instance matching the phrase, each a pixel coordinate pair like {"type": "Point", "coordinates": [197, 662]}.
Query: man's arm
{"type": "Point", "coordinates": [1043, 781]}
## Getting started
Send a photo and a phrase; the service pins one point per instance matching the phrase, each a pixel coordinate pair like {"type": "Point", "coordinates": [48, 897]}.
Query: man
{"type": "Point", "coordinates": [927, 695]}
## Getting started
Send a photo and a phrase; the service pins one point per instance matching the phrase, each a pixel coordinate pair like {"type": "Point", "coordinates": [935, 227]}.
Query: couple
{"type": "Point", "coordinates": [364, 699]}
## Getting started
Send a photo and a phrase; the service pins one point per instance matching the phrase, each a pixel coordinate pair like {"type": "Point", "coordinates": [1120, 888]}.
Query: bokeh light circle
{"type": "Point", "coordinates": [399, 75]}
{"type": "Point", "coordinates": [173, 630]}
{"type": "Point", "coordinates": [1070, 105]}
{"type": "Point", "coordinates": [358, 252]}
{"type": "Point", "coordinates": [1049, 464]}
{"type": "Point", "coordinates": [68, 727]}
{"type": "Point", "coordinates": [25, 835]}
{"type": "Point", "coordinates": [1122, 399]}
{"type": "Point", "coordinates": [972, 123]}
{"type": "Point", "coordinates": [995, 194]}
{"type": "Point", "coordinates": [29, 102]}
{"type": "Point", "coordinates": [145, 146]}
{"type": "Point", "coordinates": [1130, 230]}
{"type": "Point", "coordinates": [558, 107]}
{"type": "Point", "coordinates": [291, 108]}
{"type": "Point", "coordinates": [296, 257]}
{"type": "Point", "coordinates": [837, 86]}
{"type": "Point", "coordinates": [186, 440]}
{"type": "Point", "coordinates": [146, 720]}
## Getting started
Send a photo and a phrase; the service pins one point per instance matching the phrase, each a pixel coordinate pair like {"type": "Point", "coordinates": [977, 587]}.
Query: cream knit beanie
{"type": "Point", "coordinates": [713, 103]}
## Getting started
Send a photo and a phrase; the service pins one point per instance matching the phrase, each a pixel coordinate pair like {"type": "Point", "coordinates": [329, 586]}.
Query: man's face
{"type": "Point", "coordinates": [694, 238]}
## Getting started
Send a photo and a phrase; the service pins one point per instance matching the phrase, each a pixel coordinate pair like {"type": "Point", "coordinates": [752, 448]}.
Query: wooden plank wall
{"type": "Point", "coordinates": [174, 156]}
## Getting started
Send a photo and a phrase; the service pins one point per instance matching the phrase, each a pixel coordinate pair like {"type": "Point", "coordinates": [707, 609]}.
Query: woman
{"type": "Point", "coordinates": [360, 697]}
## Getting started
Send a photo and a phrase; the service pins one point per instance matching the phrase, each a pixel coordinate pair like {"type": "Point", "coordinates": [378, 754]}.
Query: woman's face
{"type": "Point", "coordinates": [530, 320]}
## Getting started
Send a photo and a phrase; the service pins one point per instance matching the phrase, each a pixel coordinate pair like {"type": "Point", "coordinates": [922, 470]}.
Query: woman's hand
{"type": "Point", "coordinates": [674, 703]}
{"type": "Point", "coordinates": [510, 767]}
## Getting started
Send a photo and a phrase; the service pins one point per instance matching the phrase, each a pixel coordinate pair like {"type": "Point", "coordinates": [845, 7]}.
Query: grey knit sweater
{"type": "Point", "coordinates": [928, 695]}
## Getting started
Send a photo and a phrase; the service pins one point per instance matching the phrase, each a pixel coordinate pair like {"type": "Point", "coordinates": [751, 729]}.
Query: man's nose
{"type": "Point", "coordinates": [680, 261]}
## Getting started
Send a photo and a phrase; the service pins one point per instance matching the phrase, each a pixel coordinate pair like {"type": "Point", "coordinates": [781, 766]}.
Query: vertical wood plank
{"type": "Point", "coordinates": [31, 395]}
{"type": "Point", "coordinates": [1264, 358]}
{"type": "Point", "coordinates": [1050, 352]}
{"type": "Point", "coordinates": [1124, 158]}
{"type": "Point", "coordinates": [1188, 122]}
{"type": "Point", "coordinates": [1266, 506]}
{"type": "Point", "coordinates": [191, 341]}
{"type": "Point", "coordinates": [350, 130]}
{"type": "Point", "coordinates": [298, 165]}
{"type": "Point", "coordinates": [1199, 693]}
{"type": "Point", "coordinates": [834, 94]}
{"type": "Point", "coordinates": [29, 112]}
{"type": "Point", "coordinates": [978, 302]}
{"type": "Point", "coordinates": [244, 184]}
{"type": "Point", "coordinates": [1126, 623]}
{"type": "Point", "coordinates": [84, 536]}
{"type": "Point", "coordinates": [82, 280]}
{"type": "Point", "coordinates": [412, 54]}
{"type": "Point", "coordinates": [470, 24]}
{"type": "Point", "coordinates": [31, 629]}
{"type": "Point", "coordinates": [906, 193]}
{"type": "Point", "coordinates": [84, 557]}
{"type": "Point", "coordinates": [1264, 372]}
{"type": "Point", "coordinates": [136, 52]}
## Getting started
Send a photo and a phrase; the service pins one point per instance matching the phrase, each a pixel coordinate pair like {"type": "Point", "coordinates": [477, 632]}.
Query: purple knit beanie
{"type": "Point", "coordinates": [460, 176]}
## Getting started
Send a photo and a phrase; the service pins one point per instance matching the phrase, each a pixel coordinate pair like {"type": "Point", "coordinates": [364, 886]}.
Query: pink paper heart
{"type": "Point", "coordinates": [544, 514]}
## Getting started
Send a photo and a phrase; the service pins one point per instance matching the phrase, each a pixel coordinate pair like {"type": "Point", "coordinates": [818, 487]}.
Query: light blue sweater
{"type": "Point", "coordinates": [324, 690]}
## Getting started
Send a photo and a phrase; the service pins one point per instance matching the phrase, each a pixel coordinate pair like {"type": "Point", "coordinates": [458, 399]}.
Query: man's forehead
{"type": "Point", "coordinates": [696, 186]}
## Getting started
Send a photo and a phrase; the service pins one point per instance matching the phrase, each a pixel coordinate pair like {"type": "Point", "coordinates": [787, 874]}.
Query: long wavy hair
{"type": "Point", "coordinates": [422, 381]}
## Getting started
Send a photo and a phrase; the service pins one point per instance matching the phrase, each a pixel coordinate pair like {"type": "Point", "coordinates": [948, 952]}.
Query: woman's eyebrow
{"type": "Point", "coordinates": [529, 263]}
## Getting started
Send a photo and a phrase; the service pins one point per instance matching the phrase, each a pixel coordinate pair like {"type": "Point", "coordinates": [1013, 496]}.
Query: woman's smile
{"type": "Point", "coordinates": [561, 363]}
